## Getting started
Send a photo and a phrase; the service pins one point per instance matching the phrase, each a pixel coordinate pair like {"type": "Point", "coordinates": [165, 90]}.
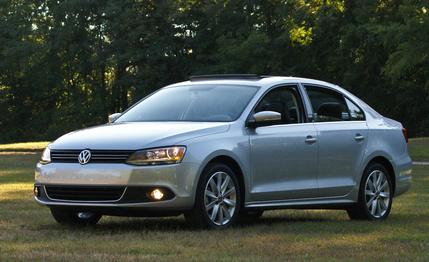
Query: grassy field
{"type": "Point", "coordinates": [27, 146]}
{"type": "Point", "coordinates": [27, 230]}
{"type": "Point", "coordinates": [419, 149]}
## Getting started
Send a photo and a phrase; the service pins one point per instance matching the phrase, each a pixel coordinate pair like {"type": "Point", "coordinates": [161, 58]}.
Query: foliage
{"type": "Point", "coordinates": [65, 65]}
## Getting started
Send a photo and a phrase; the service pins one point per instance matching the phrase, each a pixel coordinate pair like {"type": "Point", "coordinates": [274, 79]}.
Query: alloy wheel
{"type": "Point", "coordinates": [220, 198]}
{"type": "Point", "coordinates": [377, 193]}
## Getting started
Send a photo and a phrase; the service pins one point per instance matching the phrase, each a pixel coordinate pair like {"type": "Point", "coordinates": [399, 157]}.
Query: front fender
{"type": "Point", "coordinates": [236, 147]}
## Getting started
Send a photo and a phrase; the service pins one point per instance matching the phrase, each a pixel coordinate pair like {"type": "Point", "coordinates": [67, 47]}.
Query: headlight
{"type": "Point", "coordinates": [46, 156]}
{"type": "Point", "coordinates": [158, 156]}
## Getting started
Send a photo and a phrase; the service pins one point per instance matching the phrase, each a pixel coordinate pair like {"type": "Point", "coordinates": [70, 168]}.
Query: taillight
{"type": "Point", "coordinates": [404, 132]}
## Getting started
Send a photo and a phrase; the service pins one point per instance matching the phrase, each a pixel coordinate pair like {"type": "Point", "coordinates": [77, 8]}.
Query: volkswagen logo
{"type": "Point", "coordinates": [84, 157]}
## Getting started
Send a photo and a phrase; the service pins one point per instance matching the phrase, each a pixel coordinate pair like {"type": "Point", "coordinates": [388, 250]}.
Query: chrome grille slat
{"type": "Point", "coordinates": [112, 155]}
{"type": "Point", "coordinates": [109, 157]}
{"type": "Point", "coordinates": [106, 158]}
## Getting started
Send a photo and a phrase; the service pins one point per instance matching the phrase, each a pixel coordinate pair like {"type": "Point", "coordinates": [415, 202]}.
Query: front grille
{"type": "Point", "coordinates": [97, 156]}
{"type": "Point", "coordinates": [85, 193]}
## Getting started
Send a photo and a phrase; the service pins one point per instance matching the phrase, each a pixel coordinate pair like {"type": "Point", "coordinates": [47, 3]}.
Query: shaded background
{"type": "Point", "coordinates": [65, 65]}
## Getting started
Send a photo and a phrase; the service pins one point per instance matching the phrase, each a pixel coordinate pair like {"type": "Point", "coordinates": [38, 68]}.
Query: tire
{"type": "Point", "coordinates": [74, 218]}
{"type": "Point", "coordinates": [375, 195]}
{"type": "Point", "coordinates": [216, 208]}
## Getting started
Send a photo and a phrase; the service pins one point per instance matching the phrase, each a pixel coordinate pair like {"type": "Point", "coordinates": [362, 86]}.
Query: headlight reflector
{"type": "Point", "coordinates": [158, 156]}
{"type": "Point", "coordinates": [46, 156]}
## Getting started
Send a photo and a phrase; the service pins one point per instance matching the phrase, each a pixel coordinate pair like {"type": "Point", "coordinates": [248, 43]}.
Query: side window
{"type": "Point", "coordinates": [284, 100]}
{"type": "Point", "coordinates": [355, 112]}
{"type": "Point", "coordinates": [328, 106]}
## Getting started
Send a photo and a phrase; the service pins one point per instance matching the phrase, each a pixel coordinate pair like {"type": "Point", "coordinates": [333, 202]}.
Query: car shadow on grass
{"type": "Point", "coordinates": [289, 221]}
{"type": "Point", "coordinates": [174, 224]}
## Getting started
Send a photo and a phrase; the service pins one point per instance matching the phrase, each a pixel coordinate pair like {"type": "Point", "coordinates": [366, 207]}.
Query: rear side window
{"type": "Point", "coordinates": [330, 106]}
{"type": "Point", "coordinates": [355, 112]}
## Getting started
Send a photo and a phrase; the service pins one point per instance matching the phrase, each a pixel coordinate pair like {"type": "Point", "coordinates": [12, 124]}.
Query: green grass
{"type": "Point", "coordinates": [27, 231]}
{"type": "Point", "coordinates": [419, 148]}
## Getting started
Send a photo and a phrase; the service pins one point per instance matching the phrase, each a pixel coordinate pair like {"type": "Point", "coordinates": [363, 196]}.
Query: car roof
{"type": "Point", "coordinates": [265, 82]}
{"type": "Point", "coordinates": [262, 81]}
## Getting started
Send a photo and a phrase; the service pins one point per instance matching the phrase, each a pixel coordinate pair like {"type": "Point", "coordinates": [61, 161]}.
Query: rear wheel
{"type": "Point", "coordinates": [375, 195]}
{"type": "Point", "coordinates": [217, 200]}
{"type": "Point", "coordinates": [77, 218]}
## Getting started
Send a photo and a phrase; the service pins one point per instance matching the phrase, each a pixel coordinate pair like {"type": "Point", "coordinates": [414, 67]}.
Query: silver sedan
{"type": "Point", "coordinates": [219, 148]}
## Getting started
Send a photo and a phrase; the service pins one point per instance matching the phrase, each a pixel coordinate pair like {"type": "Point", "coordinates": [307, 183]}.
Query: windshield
{"type": "Point", "coordinates": [199, 103]}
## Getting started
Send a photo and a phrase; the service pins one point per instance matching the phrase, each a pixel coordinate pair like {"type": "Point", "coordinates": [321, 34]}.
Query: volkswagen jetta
{"type": "Point", "coordinates": [220, 147]}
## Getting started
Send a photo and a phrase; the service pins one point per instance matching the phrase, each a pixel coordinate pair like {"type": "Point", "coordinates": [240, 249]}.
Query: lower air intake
{"type": "Point", "coordinates": [85, 193]}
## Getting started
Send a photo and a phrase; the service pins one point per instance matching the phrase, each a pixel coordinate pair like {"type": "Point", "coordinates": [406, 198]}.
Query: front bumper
{"type": "Point", "coordinates": [179, 179]}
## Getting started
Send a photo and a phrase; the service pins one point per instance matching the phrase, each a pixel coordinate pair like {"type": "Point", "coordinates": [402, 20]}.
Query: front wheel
{"type": "Point", "coordinates": [217, 199]}
{"type": "Point", "coordinates": [375, 195]}
{"type": "Point", "coordinates": [71, 217]}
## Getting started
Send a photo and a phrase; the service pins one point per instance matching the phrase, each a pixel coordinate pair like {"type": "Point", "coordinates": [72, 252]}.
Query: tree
{"type": "Point", "coordinates": [65, 65]}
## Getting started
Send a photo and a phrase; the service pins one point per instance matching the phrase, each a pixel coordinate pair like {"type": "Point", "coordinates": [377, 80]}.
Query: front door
{"type": "Point", "coordinates": [283, 154]}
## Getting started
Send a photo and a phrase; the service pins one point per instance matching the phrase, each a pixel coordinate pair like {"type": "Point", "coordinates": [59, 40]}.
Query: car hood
{"type": "Point", "coordinates": [136, 135]}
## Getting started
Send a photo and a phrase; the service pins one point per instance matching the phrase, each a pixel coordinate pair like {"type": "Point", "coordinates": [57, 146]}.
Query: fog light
{"type": "Point", "coordinates": [156, 194]}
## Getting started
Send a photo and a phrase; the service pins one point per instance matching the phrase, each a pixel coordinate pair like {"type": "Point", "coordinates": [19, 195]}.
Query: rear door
{"type": "Point", "coordinates": [342, 134]}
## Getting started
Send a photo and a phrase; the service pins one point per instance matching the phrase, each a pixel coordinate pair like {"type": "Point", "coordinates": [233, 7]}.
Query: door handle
{"type": "Point", "coordinates": [310, 140]}
{"type": "Point", "coordinates": [359, 137]}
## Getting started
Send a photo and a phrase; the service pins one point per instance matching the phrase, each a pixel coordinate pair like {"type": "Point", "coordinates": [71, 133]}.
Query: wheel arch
{"type": "Point", "coordinates": [387, 164]}
{"type": "Point", "coordinates": [234, 164]}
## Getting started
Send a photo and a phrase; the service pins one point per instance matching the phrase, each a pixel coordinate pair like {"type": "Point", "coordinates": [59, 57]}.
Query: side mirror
{"type": "Point", "coordinates": [263, 118]}
{"type": "Point", "coordinates": [113, 117]}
